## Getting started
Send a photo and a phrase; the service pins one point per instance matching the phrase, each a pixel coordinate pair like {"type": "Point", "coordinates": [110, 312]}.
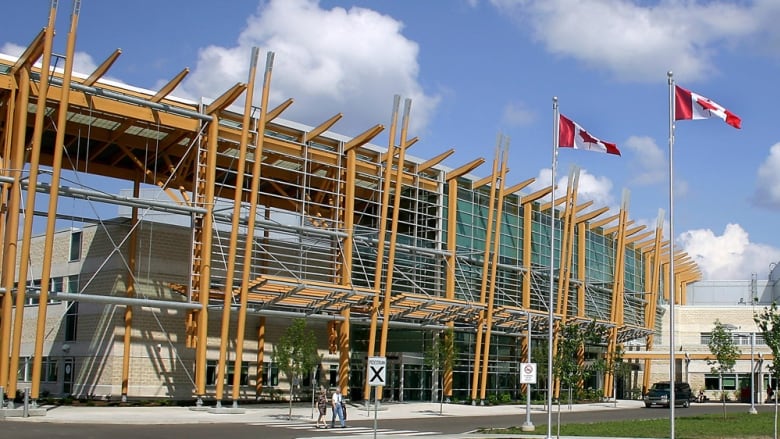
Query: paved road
{"type": "Point", "coordinates": [426, 424]}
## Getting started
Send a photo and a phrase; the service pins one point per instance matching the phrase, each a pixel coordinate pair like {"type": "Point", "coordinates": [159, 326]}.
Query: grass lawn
{"type": "Point", "coordinates": [736, 425]}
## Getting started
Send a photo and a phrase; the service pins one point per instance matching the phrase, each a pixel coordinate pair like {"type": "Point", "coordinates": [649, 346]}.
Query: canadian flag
{"type": "Point", "coordinates": [689, 105]}
{"type": "Point", "coordinates": [571, 135]}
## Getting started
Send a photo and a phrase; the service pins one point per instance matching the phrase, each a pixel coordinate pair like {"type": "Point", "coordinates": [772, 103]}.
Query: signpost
{"type": "Point", "coordinates": [377, 367]}
{"type": "Point", "coordinates": [376, 371]}
{"type": "Point", "coordinates": [528, 377]}
{"type": "Point", "coordinates": [527, 373]}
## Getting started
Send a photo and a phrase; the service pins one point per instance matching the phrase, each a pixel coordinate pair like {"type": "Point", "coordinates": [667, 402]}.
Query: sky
{"type": "Point", "coordinates": [479, 69]}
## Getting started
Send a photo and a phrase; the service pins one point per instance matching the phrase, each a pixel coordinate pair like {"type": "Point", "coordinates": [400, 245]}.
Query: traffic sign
{"type": "Point", "coordinates": [376, 371]}
{"type": "Point", "coordinates": [528, 373]}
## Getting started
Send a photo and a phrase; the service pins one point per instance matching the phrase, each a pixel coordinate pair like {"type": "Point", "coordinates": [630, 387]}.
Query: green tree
{"type": "Point", "coordinates": [568, 367]}
{"type": "Point", "coordinates": [724, 349]}
{"type": "Point", "coordinates": [440, 356]}
{"type": "Point", "coordinates": [296, 353]}
{"type": "Point", "coordinates": [768, 322]}
{"type": "Point", "coordinates": [616, 364]}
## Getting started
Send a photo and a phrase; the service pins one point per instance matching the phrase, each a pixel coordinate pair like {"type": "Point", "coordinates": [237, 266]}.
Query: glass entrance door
{"type": "Point", "coordinates": [67, 376]}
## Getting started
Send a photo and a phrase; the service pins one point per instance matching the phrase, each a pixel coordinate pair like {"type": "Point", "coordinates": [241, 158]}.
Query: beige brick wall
{"type": "Point", "coordinates": [690, 323]}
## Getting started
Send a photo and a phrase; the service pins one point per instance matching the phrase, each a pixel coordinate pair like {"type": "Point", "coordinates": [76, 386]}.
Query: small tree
{"type": "Point", "coordinates": [568, 366]}
{"type": "Point", "coordinates": [567, 361]}
{"type": "Point", "coordinates": [724, 349]}
{"type": "Point", "coordinates": [768, 322]}
{"type": "Point", "coordinates": [296, 353]}
{"type": "Point", "coordinates": [539, 352]}
{"type": "Point", "coordinates": [441, 356]}
{"type": "Point", "coordinates": [616, 365]}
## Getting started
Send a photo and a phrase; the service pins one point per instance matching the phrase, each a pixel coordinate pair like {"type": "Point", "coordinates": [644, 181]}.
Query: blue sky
{"type": "Point", "coordinates": [477, 68]}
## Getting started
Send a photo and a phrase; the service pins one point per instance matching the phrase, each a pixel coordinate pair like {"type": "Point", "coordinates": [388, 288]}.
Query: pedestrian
{"type": "Point", "coordinates": [337, 402]}
{"type": "Point", "coordinates": [322, 406]}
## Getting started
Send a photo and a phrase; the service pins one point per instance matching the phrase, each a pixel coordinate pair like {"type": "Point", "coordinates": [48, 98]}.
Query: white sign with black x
{"type": "Point", "coordinates": [376, 371]}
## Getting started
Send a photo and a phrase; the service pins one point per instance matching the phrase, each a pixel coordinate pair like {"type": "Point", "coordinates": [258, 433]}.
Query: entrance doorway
{"type": "Point", "coordinates": [67, 376]}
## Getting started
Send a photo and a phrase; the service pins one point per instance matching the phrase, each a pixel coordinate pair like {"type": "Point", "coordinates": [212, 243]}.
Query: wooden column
{"type": "Point", "coordinates": [452, 246]}
{"type": "Point", "coordinates": [32, 183]}
{"type": "Point", "coordinates": [59, 147]}
{"type": "Point", "coordinates": [259, 138]}
{"type": "Point", "coordinates": [483, 289]}
{"type": "Point", "coordinates": [132, 250]}
{"type": "Point", "coordinates": [260, 356]}
{"type": "Point", "coordinates": [399, 179]}
{"type": "Point", "coordinates": [493, 271]}
{"type": "Point", "coordinates": [380, 252]}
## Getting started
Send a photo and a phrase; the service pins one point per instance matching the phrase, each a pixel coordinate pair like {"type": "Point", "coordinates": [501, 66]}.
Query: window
{"type": "Point", "coordinates": [334, 375]}
{"type": "Point", "coordinates": [24, 373]}
{"type": "Point", "coordinates": [55, 284]}
{"type": "Point", "coordinates": [739, 338]}
{"type": "Point", "coordinates": [49, 370]}
{"type": "Point", "coordinates": [73, 284]}
{"type": "Point", "coordinates": [75, 246]}
{"type": "Point", "coordinates": [711, 381]}
{"type": "Point", "coordinates": [230, 366]}
{"type": "Point", "coordinates": [71, 321]}
{"type": "Point", "coordinates": [270, 374]}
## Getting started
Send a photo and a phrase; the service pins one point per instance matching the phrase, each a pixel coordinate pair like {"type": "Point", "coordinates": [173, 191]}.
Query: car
{"type": "Point", "coordinates": [659, 394]}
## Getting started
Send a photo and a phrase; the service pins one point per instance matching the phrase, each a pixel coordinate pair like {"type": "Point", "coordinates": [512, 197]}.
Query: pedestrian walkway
{"type": "Point", "coordinates": [302, 416]}
{"type": "Point", "coordinates": [260, 412]}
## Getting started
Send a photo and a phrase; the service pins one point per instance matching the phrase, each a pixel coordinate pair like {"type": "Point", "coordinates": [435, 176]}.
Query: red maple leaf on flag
{"type": "Point", "coordinates": [587, 138]}
{"type": "Point", "coordinates": [707, 104]}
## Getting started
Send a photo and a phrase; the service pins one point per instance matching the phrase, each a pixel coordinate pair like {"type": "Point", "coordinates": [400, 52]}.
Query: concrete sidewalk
{"type": "Point", "coordinates": [302, 413]}
{"type": "Point", "coordinates": [273, 412]}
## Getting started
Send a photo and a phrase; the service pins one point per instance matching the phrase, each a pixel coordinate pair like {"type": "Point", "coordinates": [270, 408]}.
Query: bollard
{"type": "Point", "coordinates": [2, 397]}
{"type": "Point", "coordinates": [26, 409]}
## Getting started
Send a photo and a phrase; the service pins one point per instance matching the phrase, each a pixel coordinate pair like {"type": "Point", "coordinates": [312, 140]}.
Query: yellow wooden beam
{"type": "Point", "coordinates": [275, 112]}
{"type": "Point", "coordinates": [226, 99]}
{"type": "Point", "coordinates": [602, 222]}
{"type": "Point", "coordinates": [536, 195]}
{"type": "Point", "coordinates": [616, 228]}
{"type": "Point", "coordinates": [632, 239]}
{"type": "Point", "coordinates": [434, 161]}
{"type": "Point", "coordinates": [31, 53]}
{"type": "Point", "coordinates": [590, 215]}
{"type": "Point", "coordinates": [582, 206]}
{"type": "Point", "coordinates": [519, 186]}
{"type": "Point", "coordinates": [103, 68]}
{"type": "Point", "coordinates": [170, 86]}
{"type": "Point", "coordinates": [321, 128]}
{"type": "Point", "coordinates": [548, 205]}
{"type": "Point", "coordinates": [364, 137]}
{"type": "Point", "coordinates": [465, 169]}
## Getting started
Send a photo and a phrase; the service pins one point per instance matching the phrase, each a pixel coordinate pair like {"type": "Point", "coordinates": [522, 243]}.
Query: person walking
{"type": "Point", "coordinates": [322, 406]}
{"type": "Point", "coordinates": [337, 402]}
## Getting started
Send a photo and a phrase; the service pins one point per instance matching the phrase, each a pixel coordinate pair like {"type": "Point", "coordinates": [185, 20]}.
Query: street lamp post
{"type": "Point", "coordinates": [528, 425]}
{"type": "Point", "coordinates": [752, 410]}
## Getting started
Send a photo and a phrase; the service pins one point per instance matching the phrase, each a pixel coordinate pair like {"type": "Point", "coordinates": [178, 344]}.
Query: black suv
{"type": "Point", "coordinates": [659, 394]}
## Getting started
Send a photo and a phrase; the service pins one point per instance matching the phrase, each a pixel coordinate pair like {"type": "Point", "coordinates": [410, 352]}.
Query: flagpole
{"type": "Point", "coordinates": [672, 285]}
{"type": "Point", "coordinates": [551, 317]}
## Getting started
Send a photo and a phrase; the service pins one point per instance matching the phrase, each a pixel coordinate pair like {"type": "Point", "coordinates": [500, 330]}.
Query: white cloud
{"type": "Point", "coordinates": [649, 164]}
{"type": "Point", "coordinates": [598, 189]}
{"type": "Point", "coordinates": [730, 256]}
{"type": "Point", "coordinates": [767, 193]}
{"type": "Point", "coordinates": [591, 187]}
{"type": "Point", "coordinates": [327, 60]}
{"type": "Point", "coordinates": [517, 114]}
{"type": "Point", "coordinates": [637, 41]}
{"type": "Point", "coordinates": [11, 49]}
{"type": "Point", "coordinates": [82, 61]}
